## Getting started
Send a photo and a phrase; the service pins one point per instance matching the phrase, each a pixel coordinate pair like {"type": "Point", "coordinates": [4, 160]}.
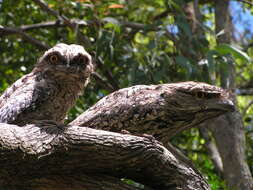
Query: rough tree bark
{"type": "Point", "coordinates": [48, 156]}
{"type": "Point", "coordinates": [51, 155]}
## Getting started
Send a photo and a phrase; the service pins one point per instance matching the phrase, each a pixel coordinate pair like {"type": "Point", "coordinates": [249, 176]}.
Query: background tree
{"type": "Point", "coordinates": [149, 42]}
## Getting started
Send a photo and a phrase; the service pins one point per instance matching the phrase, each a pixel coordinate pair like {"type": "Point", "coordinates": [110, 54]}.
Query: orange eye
{"type": "Point", "coordinates": [53, 58]}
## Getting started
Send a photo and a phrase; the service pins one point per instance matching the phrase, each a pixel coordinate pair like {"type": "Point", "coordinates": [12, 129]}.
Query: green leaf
{"type": "Point", "coordinates": [184, 63]}
{"type": "Point", "coordinates": [112, 23]}
{"type": "Point", "coordinates": [224, 49]}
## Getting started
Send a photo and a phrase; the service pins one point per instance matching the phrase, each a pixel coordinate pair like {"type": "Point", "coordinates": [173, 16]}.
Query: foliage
{"type": "Point", "coordinates": [164, 50]}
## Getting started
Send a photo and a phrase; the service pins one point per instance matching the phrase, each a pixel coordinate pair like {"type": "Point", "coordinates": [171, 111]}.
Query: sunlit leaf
{"type": "Point", "coordinates": [139, 38]}
{"type": "Point", "coordinates": [115, 6]}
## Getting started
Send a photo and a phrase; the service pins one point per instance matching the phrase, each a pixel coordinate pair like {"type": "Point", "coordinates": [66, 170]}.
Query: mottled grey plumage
{"type": "Point", "coordinates": [160, 110]}
{"type": "Point", "coordinates": [50, 90]}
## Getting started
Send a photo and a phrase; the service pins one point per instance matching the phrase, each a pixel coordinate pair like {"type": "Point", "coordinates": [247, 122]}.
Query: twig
{"type": "Point", "coordinates": [67, 21]}
{"type": "Point", "coordinates": [212, 150]}
{"type": "Point", "coordinates": [246, 108]}
{"type": "Point", "coordinates": [44, 6]}
{"type": "Point", "coordinates": [107, 73]}
{"type": "Point", "coordinates": [56, 23]}
{"type": "Point", "coordinates": [139, 26]}
{"type": "Point", "coordinates": [24, 36]}
{"type": "Point", "coordinates": [162, 14]}
{"type": "Point", "coordinates": [99, 79]}
{"type": "Point", "coordinates": [82, 23]}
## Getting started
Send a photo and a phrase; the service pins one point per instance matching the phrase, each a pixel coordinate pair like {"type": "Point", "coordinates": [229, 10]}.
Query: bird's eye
{"type": "Point", "coordinates": [82, 60]}
{"type": "Point", "coordinates": [200, 95]}
{"type": "Point", "coordinates": [53, 59]}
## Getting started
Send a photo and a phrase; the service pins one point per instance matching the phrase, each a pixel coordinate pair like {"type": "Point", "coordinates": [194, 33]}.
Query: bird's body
{"type": "Point", "coordinates": [50, 90]}
{"type": "Point", "coordinates": [160, 110]}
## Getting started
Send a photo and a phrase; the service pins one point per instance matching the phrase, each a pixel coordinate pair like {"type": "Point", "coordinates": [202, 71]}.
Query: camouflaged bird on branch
{"type": "Point", "coordinates": [50, 90]}
{"type": "Point", "coordinates": [161, 110]}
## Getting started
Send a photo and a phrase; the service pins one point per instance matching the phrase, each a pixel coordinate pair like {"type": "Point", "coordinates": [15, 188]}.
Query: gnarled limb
{"type": "Point", "coordinates": [42, 152]}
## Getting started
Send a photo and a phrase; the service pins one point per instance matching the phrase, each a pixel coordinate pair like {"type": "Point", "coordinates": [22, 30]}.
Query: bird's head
{"type": "Point", "coordinates": [194, 102]}
{"type": "Point", "coordinates": [66, 62]}
{"type": "Point", "coordinates": [197, 96]}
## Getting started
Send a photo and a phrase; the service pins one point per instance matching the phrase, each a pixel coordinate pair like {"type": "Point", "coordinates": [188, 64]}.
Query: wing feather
{"type": "Point", "coordinates": [23, 97]}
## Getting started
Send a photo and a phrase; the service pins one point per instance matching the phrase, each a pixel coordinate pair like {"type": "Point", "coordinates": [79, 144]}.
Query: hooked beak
{"type": "Point", "coordinates": [222, 104]}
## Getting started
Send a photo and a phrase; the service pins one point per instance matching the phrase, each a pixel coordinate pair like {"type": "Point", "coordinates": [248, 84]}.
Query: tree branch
{"type": "Point", "coordinates": [102, 82]}
{"type": "Point", "coordinates": [139, 26]}
{"type": "Point", "coordinates": [53, 24]}
{"type": "Point", "coordinates": [45, 149]}
{"type": "Point", "coordinates": [46, 8]}
{"type": "Point", "coordinates": [212, 150]}
{"type": "Point", "coordinates": [107, 73]}
{"type": "Point", "coordinates": [247, 107]}
{"type": "Point", "coordinates": [67, 21]}
{"type": "Point", "coordinates": [24, 36]}
{"type": "Point", "coordinates": [82, 23]}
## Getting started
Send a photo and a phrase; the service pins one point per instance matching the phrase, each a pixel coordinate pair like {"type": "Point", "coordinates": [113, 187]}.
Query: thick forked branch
{"type": "Point", "coordinates": [159, 110]}
{"type": "Point", "coordinates": [39, 153]}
